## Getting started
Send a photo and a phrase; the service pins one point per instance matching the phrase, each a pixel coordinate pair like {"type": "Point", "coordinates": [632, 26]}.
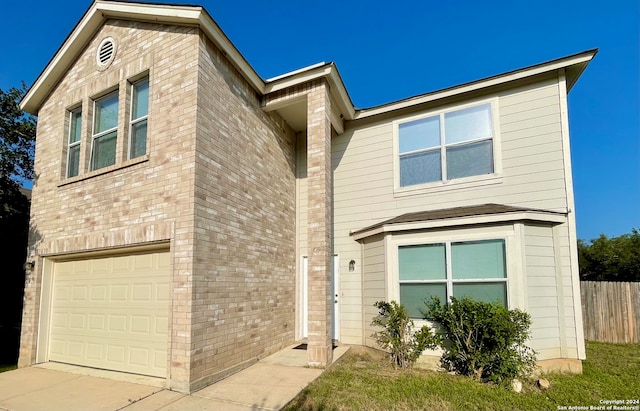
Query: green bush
{"type": "Point", "coordinates": [398, 336]}
{"type": "Point", "coordinates": [486, 341]}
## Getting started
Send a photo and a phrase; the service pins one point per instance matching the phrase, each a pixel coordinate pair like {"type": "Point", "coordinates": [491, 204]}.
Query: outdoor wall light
{"type": "Point", "coordinates": [352, 265]}
{"type": "Point", "coordinates": [28, 266]}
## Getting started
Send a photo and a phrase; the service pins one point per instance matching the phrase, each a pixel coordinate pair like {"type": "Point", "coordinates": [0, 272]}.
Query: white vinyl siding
{"type": "Point", "coordinates": [532, 175]}
{"type": "Point", "coordinates": [550, 296]}
{"type": "Point", "coordinates": [374, 284]}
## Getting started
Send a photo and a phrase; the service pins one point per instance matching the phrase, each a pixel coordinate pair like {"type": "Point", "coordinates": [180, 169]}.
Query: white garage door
{"type": "Point", "coordinates": [112, 313]}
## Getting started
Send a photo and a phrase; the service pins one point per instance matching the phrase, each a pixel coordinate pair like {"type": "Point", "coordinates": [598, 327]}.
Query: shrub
{"type": "Point", "coordinates": [484, 340]}
{"type": "Point", "coordinates": [398, 336]}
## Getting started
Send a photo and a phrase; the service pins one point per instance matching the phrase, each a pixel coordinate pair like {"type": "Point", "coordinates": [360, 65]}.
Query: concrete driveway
{"type": "Point", "coordinates": [267, 385]}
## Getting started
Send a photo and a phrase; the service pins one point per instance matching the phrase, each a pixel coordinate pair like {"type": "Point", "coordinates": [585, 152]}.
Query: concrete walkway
{"type": "Point", "coordinates": [267, 385]}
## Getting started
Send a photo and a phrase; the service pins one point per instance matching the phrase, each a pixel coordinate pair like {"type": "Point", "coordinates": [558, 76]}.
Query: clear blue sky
{"type": "Point", "coordinates": [386, 51]}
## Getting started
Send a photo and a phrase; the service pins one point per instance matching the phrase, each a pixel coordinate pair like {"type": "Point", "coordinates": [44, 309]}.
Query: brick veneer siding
{"type": "Point", "coordinates": [319, 175]}
{"type": "Point", "coordinates": [135, 202]}
{"type": "Point", "coordinates": [244, 271]}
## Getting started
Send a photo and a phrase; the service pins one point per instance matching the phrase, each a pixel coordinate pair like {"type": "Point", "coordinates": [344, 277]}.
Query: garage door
{"type": "Point", "coordinates": [112, 313]}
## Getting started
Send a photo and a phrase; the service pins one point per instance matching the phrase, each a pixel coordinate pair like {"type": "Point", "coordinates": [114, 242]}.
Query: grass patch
{"type": "Point", "coordinates": [364, 380]}
{"type": "Point", "coordinates": [7, 367]}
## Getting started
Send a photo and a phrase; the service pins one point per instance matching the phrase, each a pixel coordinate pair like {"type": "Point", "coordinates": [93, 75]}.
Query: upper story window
{"type": "Point", "coordinates": [105, 132]}
{"type": "Point", "coordinates": [138, 122]}
{"type": "Point", "coordinates": [73, 143]}
{"type": "Point", "coordinates": [446, 146]}
{"type": "Point", "coordinates": [470, 268]}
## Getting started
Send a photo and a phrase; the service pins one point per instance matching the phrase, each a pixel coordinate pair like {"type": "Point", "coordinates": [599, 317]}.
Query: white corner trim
{"type": "Point", "coordinates": [571, 217]}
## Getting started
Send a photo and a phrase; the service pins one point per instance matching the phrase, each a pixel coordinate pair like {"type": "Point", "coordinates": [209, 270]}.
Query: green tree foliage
{"type": "Point", "coordinates": [17, 141]}
{"type": "Point", "coordinates": [17, 144]}
{"type": "Point", "coordinates": [398, 334]}
{"type": "Point", "coordinates": [483, 340]}
{"type": "Point", "coordinates": [610, 259]}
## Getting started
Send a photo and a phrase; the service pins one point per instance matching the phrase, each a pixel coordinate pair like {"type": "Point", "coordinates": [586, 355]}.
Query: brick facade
{"type": "Point", "coordinates": [320, 200]}
{"type": "Point", "coordinates": [226, 213]}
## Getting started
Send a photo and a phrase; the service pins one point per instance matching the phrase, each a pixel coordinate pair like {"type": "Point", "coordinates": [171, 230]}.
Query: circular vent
{"type": "Point", "coordinates": [106, 52]}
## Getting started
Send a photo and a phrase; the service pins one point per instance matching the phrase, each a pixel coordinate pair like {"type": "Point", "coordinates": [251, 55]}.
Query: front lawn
{"type": "Point", "coordinates": [4, 368]}
{"type": "Point", "coordinates": [364, 380]}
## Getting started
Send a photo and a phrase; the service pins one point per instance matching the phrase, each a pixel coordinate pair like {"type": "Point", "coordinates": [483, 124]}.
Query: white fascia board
{"type": "Point", "coordinates": [480, 84]}
{"type": "Point", "coordinates": [551, 218]}
{"type": "Point", "coordinates": [294, 72]}
{"type": "Point", "coordinates": [100, 11]}
{"type": "Point", "coordinates": [328, 71]}
{"type": "Point", "coordinates": [220, 39]}
{"type": "Point", "coordinates": [63, 58]}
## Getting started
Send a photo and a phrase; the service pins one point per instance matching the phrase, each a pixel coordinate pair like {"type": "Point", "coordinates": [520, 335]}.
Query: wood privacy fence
{"type": "Point", "coordinates": [611, 311]}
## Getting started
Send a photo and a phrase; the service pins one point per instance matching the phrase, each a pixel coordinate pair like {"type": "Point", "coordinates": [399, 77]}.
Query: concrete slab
{"type": "Point", "coordinates": [162, 400]}
{"type": "Point", "coordinates": [262, 386]}
{"type": "Point", "coordinates": [112, 375]}
{"type": "Point", "coordinates": [192, 403]}
{"type": "Point", "coordinates": [53, 392]}
{"type": "Point", "coordinates": [25, 380]}
{"type": "Point", "coordinates": [267, 385]}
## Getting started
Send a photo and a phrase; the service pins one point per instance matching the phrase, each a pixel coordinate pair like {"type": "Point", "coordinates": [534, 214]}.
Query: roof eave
{"type": "Point", "coordinates": [538, 216]}
{"type": "Point", "coordinates": [100, 11]}
{"type": "Point", "coordinates": [329, 71]}
{"type": "Point", "coordinates": [574, 65]}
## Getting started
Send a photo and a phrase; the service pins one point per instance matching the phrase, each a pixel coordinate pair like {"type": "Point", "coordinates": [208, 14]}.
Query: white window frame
{"type": "Point", "coordinates": [514, 282]}
{"type": "Point", "coordinates": [445, 183]}
{"type": "Point", "coordinates": [134, 121]}
{"type": "Point", "coordinates": [94, 136]}
{"type": "Point", "coordinates": [75, 143]}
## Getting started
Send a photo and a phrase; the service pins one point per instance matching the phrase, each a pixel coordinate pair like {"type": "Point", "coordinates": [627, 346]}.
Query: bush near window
{"type": "Point", "coordinates": [483, 340]}
{"type": "Point", "coordinates": [398, 335]}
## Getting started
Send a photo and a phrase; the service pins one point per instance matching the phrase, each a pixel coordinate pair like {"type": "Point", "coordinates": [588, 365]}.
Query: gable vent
{"type": "Point", "coordinates": [106, 52]}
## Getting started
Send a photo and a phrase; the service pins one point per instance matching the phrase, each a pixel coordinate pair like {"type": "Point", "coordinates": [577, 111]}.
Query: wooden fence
{"type": "Point", "coordinates": [611, 311]}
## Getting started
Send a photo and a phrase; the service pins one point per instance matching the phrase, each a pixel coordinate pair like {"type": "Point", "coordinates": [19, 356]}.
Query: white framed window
{"type": "Point", "coordinates": [138, 118]}
{"type": "Point", "coordinates": [477, 269]}
{"type": "Point", "coordinates": [73, 142]}
{"type": "Point", "coordinates": [105, 131]}
{"type": "Point", "coordinates": [447, 145]}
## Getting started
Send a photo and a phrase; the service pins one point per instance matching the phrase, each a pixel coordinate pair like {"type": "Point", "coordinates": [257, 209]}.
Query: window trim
{"type": "Point", "coordinates": [132, 121]}
{"type": "Point", "coordinates": [491, 178]}
{"type": "Point", "coordinates": [95, 136]}
{"type": "Point", "coordinates": [70, 144]}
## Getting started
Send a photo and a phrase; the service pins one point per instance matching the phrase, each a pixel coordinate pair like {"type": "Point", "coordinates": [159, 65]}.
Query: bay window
{"type": "Point", "coordinates": [452, 269]}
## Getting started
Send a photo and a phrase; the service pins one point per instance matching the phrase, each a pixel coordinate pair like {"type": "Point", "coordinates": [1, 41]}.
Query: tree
{"type": "Point", "coordinates": [610, 259]}
{"type": "Point", "coordinates": [17, 144]}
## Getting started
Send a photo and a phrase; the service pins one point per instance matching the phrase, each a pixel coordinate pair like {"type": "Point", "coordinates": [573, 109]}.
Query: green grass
{"type": "Point", "coordinates": [364, 380]}
{"type": "Point", "coordinates": [9, 367]}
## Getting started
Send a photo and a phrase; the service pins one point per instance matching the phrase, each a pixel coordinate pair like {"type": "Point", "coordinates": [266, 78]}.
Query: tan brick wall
{"type": "Point", "coordinates": [137, 201]}
{"type": "Point", "coordinates": [244, 271]}
{"type": "Point", "coordinates": [319, 179]}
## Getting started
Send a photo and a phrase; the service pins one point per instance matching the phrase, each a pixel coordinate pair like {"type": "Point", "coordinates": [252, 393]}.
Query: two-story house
{"type": "Point", "coordinates": [190, 217]}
